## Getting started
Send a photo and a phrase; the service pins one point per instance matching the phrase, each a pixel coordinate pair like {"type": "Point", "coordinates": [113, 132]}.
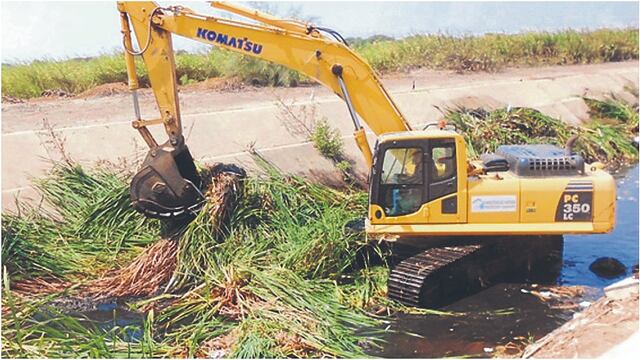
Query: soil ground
{"type": "Point", "coordinates": [601, 330]}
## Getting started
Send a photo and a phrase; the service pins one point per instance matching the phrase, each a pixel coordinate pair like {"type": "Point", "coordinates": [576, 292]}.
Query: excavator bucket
{"type": "Point", "coordinates": [168, 185]}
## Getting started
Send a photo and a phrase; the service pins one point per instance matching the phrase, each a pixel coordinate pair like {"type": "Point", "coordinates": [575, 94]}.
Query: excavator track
{"type": "Point", "coordinates": [424, 279]}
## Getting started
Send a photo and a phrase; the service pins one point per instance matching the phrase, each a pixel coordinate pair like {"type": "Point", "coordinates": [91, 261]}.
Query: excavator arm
{"type": "Point", "coordinates": [167, 185]}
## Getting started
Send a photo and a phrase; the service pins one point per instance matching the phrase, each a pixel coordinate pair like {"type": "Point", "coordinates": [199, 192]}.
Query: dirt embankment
{"type": "Point", "coordinates": [600, 330]}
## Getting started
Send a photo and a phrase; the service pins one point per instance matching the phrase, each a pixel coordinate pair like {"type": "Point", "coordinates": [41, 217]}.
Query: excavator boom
{"type": "Point", "coordinates": [167, 184]}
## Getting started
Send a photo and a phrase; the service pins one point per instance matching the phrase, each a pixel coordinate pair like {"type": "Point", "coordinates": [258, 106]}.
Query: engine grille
{"type": "Point", "coordinates": [541, 160]}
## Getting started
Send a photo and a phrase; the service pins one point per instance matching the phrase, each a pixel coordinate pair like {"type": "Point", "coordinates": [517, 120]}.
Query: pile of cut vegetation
{"type": "Point", "coordinates": [607, 137]}
{"type": "Point", "coordinates": [278, 279]}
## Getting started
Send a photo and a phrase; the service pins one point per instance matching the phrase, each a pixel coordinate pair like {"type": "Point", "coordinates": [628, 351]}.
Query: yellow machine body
{"type": "Point", "coordinates": [445, 194]}
{"type": "Point", "coordinates": [485, 203]}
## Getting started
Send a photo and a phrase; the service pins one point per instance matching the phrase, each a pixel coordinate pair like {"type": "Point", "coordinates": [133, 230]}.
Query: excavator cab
{"type": "Point", "coordinates": [411, 172]}
{"type": "Point", "coordinates": [423, 185]}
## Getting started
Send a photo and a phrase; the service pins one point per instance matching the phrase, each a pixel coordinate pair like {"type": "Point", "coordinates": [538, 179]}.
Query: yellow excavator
{"type": "Point", "coordinates": [422, 186]}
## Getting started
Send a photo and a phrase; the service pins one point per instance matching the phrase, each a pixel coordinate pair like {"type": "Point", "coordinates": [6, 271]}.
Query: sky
{"type": "Point", "coordinates": [62, 29]}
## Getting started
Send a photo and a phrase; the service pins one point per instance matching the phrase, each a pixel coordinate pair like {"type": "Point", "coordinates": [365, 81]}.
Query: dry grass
{"type": "Point", "coordinates": [40, 286]}
{"type": "Point", "coordinates": [145, 276]}
{"type": "Point", "coordinates": [223, 195]}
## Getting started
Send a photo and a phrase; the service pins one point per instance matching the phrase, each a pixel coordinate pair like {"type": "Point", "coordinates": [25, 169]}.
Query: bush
{"type": "Point", "coordinates": [327, 140]}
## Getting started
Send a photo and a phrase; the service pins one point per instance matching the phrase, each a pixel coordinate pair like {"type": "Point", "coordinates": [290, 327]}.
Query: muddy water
{"type": "Point", "coordinates": [499, 315]}
{"type": "Point", "coordinates": [482, 330]}
{"type": "Point", "coordinates": [109, 315]}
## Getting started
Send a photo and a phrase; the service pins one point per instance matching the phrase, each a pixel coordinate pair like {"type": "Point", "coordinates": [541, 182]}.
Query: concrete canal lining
{"type": "Point", "coordinates": [221, 125]}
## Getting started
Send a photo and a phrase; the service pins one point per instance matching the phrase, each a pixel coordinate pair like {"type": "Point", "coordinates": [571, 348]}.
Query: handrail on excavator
{"type": "Point", "coordinates": [289, 25]}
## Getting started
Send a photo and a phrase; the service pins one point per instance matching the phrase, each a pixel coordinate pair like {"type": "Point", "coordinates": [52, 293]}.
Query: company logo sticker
{"type": "Point", "coordinates": [494, 203]}
{"type": "Point", "coordinates": [224, 39]}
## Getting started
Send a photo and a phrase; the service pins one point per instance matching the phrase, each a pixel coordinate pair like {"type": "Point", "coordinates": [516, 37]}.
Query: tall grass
{"type": "Point", "coordinates": [84, 224]}
{"type": "Point", "coordinates": [491, 52]}
{"type": "Point", "coordinates": [77, 75]}
{"type": "Point", "coordinates": [272, 278]}
{"type": "Point", "coordinates": [268, 284]}
{"type": "Point", "coordinates": [467, 53]}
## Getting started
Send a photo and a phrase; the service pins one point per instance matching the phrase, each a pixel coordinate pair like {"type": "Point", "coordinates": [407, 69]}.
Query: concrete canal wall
{"type": "Point", "coordinates": [221, 125]}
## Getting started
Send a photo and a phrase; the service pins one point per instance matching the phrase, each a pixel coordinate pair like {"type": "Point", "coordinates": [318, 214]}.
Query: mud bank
{"type": "Point", "coordinates": [221, 125]}
{"type": "Point", "coordinates": [600, 330]}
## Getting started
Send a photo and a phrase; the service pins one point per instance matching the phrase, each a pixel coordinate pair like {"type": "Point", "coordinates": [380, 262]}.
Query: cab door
{"type": "Point", "coordinates": [398, 186]}
{"type": "Point", "coordinates": [443, 200]}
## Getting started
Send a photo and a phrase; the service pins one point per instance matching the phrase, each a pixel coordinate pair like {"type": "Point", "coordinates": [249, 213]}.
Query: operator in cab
{"type": "Point", "coordinates": [404, 179]}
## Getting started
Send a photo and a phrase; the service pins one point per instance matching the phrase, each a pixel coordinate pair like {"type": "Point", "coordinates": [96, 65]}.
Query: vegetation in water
{"type": "Point", "coordinates": [488, 52]}
{"type": "Point", "coordinates": [277, 282]}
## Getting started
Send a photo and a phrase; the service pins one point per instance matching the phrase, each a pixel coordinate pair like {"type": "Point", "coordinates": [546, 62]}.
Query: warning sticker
{"type": "Point", "coordinates": [495, 203]}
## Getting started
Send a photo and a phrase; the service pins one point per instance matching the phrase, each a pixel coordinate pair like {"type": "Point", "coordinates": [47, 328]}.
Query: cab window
{"type": "Point", "coordinates": [402, 180]}
{"type": "Point", "coordinates": [402, 166]}
{"type": "Point", "coordinates": [443, 160]}
{"type": "Point", "coordinates": [442, 169]}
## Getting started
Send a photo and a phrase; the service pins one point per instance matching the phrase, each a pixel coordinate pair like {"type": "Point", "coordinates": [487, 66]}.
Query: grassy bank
{"type": "Point", "coordinates": [493, 51]}
{"type": "Point", "coordinates": [469, 53]}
